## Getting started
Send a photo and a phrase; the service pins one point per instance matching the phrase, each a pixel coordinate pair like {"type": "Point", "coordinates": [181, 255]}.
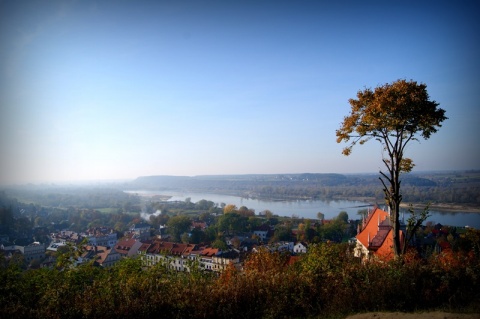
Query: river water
{"type": "Point", "coordinates": [310, 208]}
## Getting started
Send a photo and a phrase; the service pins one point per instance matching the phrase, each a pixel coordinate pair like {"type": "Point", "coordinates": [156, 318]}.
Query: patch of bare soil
{"type": "Point", "coordinates": [408, 315]}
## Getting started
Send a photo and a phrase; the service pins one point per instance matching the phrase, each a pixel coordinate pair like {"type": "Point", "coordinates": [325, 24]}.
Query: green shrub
{"type": "Point", "coordinates": [327, 282]}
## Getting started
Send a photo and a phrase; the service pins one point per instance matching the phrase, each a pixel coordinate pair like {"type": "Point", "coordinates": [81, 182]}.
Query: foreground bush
{"type": "Point", "coordinates": [326, 282]}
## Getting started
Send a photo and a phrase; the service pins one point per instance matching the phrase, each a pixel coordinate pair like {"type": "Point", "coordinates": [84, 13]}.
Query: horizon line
{"type": "Point", "coordinates": [123, 180]}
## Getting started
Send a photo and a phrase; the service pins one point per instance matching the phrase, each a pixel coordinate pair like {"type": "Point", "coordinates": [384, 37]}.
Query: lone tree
{"type": "Point", "coordinates": [393, 114]}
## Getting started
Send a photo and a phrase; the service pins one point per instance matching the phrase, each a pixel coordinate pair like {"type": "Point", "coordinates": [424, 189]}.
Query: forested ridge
{"type": "Point", "coordinates": [462, 187]}
{"type": "Point", "coordinates": [66, 196]}
{"type": "Point", "coordinates": [455, 188]}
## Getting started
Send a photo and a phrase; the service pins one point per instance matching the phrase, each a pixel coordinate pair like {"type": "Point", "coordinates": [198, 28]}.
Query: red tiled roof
{"type": "Point", "coordinates": [145, 246]}
{"type": "Point", "coordinates": [377, 235]}
{"type": "Point", "coordinates": [178, 249]}
{"type": "Point", "coordinates": [209, 252]}
{"type": "Point", "coordinates": [125, 245]}
{"type": "Point", "coordinates": [371, 226]}
{"type": "Point", "coordinates": [188, 250]}
{"type": "Point", "coordinates": [383, 229]}
{"type": "Point", "coordinates": [160, 247]}
{"type": "Point", "coordinates": [100, 251]}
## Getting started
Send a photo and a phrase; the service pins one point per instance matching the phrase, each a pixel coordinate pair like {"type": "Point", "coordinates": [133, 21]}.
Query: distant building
{"type": "Point", "coordinates": [55, 245]}
{"type": "Point", "coordinates": [181, 257]}
{"type": "Point", "coordinates": [162, 232]}
{"type": "Point", "coordinates": [375, 237]}
{"type": "Point", "coordinates": [103, 256]}
{"type": "Point", "coordinates": [300, 248]}
{"type": "Point", "coordinates": [65, 236]}
{"type": "Point", "coordinates": [140, 231]}
{"type": "Point", "coordinates": [32, 251]}
{"type": "Point", "coordinates": [222, 259]}
{"type": "Point", "coordinates": [264, 232]}
{"type": "Point", "coordinates": [128, 247]}
{"type": "Point", "coordinates": [101, 236]}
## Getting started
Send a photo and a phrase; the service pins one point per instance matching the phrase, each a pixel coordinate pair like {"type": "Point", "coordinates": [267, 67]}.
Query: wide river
{"type": "Point", "coordinates": [310, 208]}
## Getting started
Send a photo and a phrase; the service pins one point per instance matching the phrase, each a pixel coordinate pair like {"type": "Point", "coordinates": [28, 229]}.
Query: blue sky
{"type": "Point", "coordinates": [94, 90]}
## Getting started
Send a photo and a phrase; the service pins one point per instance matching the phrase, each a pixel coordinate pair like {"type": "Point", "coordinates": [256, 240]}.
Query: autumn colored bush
{"type": "Point", "coordinates": [328, 281]}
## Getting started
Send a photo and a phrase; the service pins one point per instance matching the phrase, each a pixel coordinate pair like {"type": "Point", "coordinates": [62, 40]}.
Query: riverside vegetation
{"type": "Point", "coordinates": [447, 188]}
{"type": "Point", "coordinates": [327, 282]}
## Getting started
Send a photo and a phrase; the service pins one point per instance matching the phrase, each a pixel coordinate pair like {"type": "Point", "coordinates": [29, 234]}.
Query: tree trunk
{"type": "Point", "coordinates": [397, 198]}
{"type": "Point", "coordinates": [397, 249]}
{"type": "Point", "coordinates": [394, 198]}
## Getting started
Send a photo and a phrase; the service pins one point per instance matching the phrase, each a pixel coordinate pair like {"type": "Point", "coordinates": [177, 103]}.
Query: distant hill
{"type": "Point", "coordinates": [319, 179]}
{"type": "Point", "coordinates": [453, 187]}
{"type": "Point", "coordinates": [445, 187]}
{"type": "Point", "coordinates": [236, 181]}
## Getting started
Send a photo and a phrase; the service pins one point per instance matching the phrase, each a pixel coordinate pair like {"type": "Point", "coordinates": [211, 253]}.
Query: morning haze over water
{"type": "Point", "coordinates": [310, 208]}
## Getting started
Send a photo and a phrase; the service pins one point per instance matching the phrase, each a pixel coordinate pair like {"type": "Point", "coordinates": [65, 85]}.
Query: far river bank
{"type": "Point", "coordinates": [444, 207]}
{"type": "Point", "coordinates": [308, 208]}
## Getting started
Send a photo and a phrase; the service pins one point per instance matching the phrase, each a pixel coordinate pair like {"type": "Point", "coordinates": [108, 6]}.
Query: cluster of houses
{"type": "Point", "coordinates": [374, 238]}
{"type": "Point", "coordinates": [101, 245]}
{"type": "Point", "coordinates": [182, 257]}
{"type": "Point", "coordinates": [30, 250]}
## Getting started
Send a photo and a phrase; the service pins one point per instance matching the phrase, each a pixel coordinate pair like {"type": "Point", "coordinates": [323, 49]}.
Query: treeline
{"type": "Point", "coordinates": [89, 197]}
{"type": "Point", "coordinates": [422, 194]}
{"type": "Point", "coordinates": [22, 219]}
{"type": "Point", "coordinates": [436, 187]}
{"type": "Point", "coordinates": [446, 187]}
{"type": "Point", "coordinates": [327, 282]}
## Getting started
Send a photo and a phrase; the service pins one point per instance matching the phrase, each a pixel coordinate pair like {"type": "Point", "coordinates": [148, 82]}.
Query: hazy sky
{"type": "Point", "coordinates": [118, 89]}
